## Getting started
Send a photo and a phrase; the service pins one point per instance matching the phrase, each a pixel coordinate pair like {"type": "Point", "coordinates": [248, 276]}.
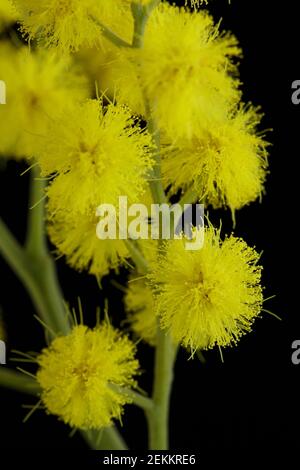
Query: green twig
{"type": "Point", "coordinates": [104, 439]}
{"type": "Point", "coordinates": [158, 417]}
{"type": "Point", "coordinates": [110, 35]}
{"type": "Point", "coordinates": [18, 381]}
{"type": "Point", "coordinates": [142, 401]}
{"type": "Point", "coordinates": [36, 241]}
{"type": "Point", "coordinates": [136, 255]}
{"type": "Point", "coordinates": [165, 355]}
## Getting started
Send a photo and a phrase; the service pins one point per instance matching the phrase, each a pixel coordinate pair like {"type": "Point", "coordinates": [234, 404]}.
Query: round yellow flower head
{"type": "Point", "coordinates": [185, 68]}
{"type": "Point", "coordinates": [75, 237]}
{"type": "Point", "coordinates": [8, 13]}
{"type": "Point", "coordinates": [37, 84]}
{"type": "Point", "coordinates": [224, 164]}
{"type": "Point", "coordinates": [139, 304]}
{"type": "Point", "coordinates": [98, 153]}
{"type": "Point", "coordinates": [77, 374]}
{"type": "Point", "coordinates": [210, 296]}
{"type": "Point", "coordinates": [67, 24]}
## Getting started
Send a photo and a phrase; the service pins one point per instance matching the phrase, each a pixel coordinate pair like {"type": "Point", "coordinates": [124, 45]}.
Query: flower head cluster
{"type": "Point", "coordinates": [78, 372]}
{"type": "Point", "coordinates": [67, 24]}
{"type": "Point", "coordinates": [74, 237]}
{"type": "Point", "coordinates": [229, 161]}
{"type": "Point", "coordinates": [96, 154]}
{"type": "Point", "coordinates": [38, 84]}
{"type": "Point", "coordinates": [185, 56]}
{"type": "Point", "coordinates": [187, 70]}
{"type": "Point", "coordinates": [211, 296]}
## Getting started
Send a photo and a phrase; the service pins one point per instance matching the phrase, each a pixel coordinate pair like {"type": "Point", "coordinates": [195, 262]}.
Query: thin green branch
{"type": "Point", "coordinates": [35, 267]}
{"type": "Point", "coordinates": [141, 15]}
{"type": "Point", "coordinates": [36, 241]}
{"type": "Point", "coordinates": [165, 355]}
{"type": "Point", "coordinates": [139, 261]}
{"type": "Point", "coordinates": [158, 419]}
{"type": "Point", "coordinates": [18, 381]}
{"type": "Point", "coordinates": [104, 439]}
{"type": "Point", "coordinates": [137, 399]}
{"type": "Point", "coordinates": [110, 35]}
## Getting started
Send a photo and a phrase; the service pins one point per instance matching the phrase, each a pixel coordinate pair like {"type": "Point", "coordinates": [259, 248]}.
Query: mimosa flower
{"type": "Point", "coordinates": [98, 154]}
{"type": "Point", "coordinates": [67, 24]}
{"type": "Point", "coordinates": [77, 374]}
{"type": "Point", "coordinates": [75, 238]}
{"type": "Point", "coordinates": [208, 297]}
{"type": "Point", "coordinates": [225, 164]}
{"type": "Point", "coordinates": [186, 69]}
{"type": "Point", "coordinates": [37, 85]}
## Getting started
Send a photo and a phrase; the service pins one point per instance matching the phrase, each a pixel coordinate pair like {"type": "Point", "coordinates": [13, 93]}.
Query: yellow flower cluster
{"type": "Point", "coordinates": [79, 375]}
{"type": "Point", "coordinates": [188, 71]}
{"type": "Point", "coordinates": [68, 24]}
{"type": "Point", "coordinates": [96, 153]}
{"type": "Point", "coordinates": [208, 297]}
{"type": "Point", "coordinates": [184, 77]}
{"type": "Point", "coordinates": [229, 161]}
{"type": "Point", "coordinates": [183, 56]}
{"type": "Point", "coordinates": [38, 84]}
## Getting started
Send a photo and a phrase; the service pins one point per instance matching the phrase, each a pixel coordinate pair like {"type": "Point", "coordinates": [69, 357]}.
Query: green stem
{"type": "Point", "coordinates": [36, 269]}
{"type": "Point", "coordinates": [141, 14]}
{"type": "Point", "coordinates": [104, 439]}
{"type": "Point", "coordinates": [158, 417]}
{"type": "Point", "coordinates": [158, 414]}
{"type": "Point", "coordinates": [139, 400]}
{"type": "Point", "coordinates": [136, 255]}
{"type": "Point", "coordinates": [110, 35]}
{"type": "Point", "coordinates": [155, 177]}
{"type": "Point", "coordinates": [108, 438]}
{"type": "Point", "coordinates": [18, 381]}
{"type": "Point", "coordinates": [36, 241]}
{"type": "Point", "coordinates": [37, 273]}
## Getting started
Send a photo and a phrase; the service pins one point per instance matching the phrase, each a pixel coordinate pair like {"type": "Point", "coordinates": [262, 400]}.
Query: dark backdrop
{"type": "Point", "coordinates": [251, 399]}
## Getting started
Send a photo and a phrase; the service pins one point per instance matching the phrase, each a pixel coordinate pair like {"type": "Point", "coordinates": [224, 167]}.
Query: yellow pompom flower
{"type": "Point", "coordinates": [98, 153]}
{"type": "Point", "coordinates": [210, 296]}
{"type": "Point", "coordinates": [37, 85]}
{"type": "Point", "coordinates": [67, 24]}
{"type": "Point", "coordinates": [186, 69]}
{"type": "Point", "coordinates": [139, 304]}
{"type": "Point", "coordinates": [225, 164]}
{"type": "Point", "coordinates": [75, 238]}
{"type": "Point", "coordinates": [8, 13]}
{"type": "Point", "coordinates": [77, 374]}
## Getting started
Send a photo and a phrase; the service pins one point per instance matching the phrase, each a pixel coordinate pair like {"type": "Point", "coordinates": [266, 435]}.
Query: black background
{"type": "Point", "coordinates": [252, 399]}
